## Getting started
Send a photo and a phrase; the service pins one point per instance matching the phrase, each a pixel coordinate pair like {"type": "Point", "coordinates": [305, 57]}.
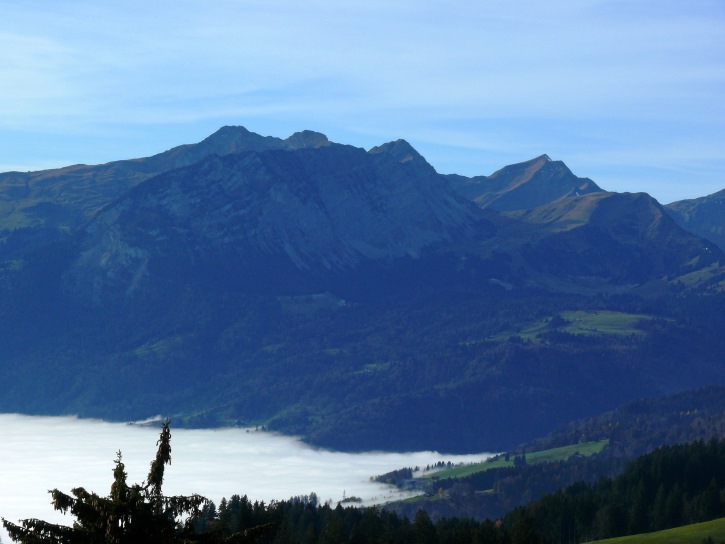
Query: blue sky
{"type": "Point", "coordinates": [630, 93]}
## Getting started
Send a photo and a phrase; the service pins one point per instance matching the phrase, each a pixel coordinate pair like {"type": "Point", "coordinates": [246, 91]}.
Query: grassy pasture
{"type": "Point", "coordinates": [688, 534]}
{"type": "Point", "coordinates": [587, 322]}
{"type": "Point", "coordinates": [712, 274]}
{"type": "Point", "coordinates": [563, 453]}
{"type": "Point", "coordinates": [603, 322]}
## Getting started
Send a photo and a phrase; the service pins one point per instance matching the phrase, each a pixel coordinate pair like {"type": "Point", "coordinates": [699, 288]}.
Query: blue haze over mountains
{"type": "Point", "coordinates": [358, 298]}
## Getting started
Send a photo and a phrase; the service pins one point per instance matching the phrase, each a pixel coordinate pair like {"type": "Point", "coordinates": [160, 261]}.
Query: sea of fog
{"type": "Point", "coordinates": [42, 453]}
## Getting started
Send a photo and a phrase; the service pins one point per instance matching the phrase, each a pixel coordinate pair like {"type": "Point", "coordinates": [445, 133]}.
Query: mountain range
{"type": "Point", "coordinates": [358, 298]}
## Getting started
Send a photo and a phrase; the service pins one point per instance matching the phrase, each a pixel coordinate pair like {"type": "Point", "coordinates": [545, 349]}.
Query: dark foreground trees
{"type": "Point", "coordinates": [130, 514]}
{"type": "Point", "coordinates": [668, 487]}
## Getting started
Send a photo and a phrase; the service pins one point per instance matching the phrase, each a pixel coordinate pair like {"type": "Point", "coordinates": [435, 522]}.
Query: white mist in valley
{"type": "Point", "coordinates": [42, 453]}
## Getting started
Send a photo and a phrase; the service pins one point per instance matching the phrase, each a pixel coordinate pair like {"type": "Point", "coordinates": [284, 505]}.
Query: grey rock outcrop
{"type": "Point", "coordinates": [322, 208]}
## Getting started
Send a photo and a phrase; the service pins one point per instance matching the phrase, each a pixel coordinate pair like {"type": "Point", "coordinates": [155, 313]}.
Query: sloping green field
{"type": "Point", "coordinates": [688, 534]}
{"type": "Point", "coordinates": [602, 322]}
{"type": "Point", "coordinates": [586, 322]}
{"type": "Point", "coordinates": [545, 456]}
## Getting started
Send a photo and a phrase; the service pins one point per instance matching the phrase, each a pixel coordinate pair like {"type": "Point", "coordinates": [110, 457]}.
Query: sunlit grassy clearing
{"type": "Point", "coordinates": [587, 322]}
{"type": "Point", "coordinates": [563, 453]}
{"type": "Point", "coordinates": [688, 534]}
{"type": "Point", "coordinates": [603, 322]}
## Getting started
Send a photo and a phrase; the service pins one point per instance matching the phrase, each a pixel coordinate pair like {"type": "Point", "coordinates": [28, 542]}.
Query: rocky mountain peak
{"type": "Point", "coordinates": [402, 153]}
{"type": "Point", "coordinates": [525, 185]}
{"type": "Point", "coordinates": [234, 139]}
{"type": "Point", "coordinates": [401, 150]}
{"type": "Point", "coordinates": [307, 139]}
{"type": "Point", "coordinates": [228, 131]}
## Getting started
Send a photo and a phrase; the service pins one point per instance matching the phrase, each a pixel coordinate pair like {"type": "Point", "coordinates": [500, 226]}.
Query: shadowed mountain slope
{"type": "Point", "coordinates": [37, 207]}
{"type": "Point", "coordinates": [322, 209]}
{"type": "Point", "coordinates": [704, 216]}
{"type": "Point", "coordinates": [625, 237]}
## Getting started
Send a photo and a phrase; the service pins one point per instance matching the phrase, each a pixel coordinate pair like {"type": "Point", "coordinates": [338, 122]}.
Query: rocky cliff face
{"type": "Point", "coordinates": [43, 206]}
{"type": "Point", "coordinates": [322, 208]}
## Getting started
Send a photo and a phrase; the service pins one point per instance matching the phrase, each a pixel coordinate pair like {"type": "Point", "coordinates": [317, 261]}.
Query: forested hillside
{"type": "Point", "coordinates": [672, 486]}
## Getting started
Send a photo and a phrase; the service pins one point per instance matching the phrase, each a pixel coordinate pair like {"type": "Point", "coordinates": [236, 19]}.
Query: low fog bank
{"type": "Point", "coordinates": [42, 453]}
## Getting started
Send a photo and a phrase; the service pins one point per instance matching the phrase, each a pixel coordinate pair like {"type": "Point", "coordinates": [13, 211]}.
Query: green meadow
{"type": "Point", "coordinates": [563, 453]}
{"type": "Point", "coordinates": [688, 534]}
{"type": "Point", "coordinates": [587, 322]}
